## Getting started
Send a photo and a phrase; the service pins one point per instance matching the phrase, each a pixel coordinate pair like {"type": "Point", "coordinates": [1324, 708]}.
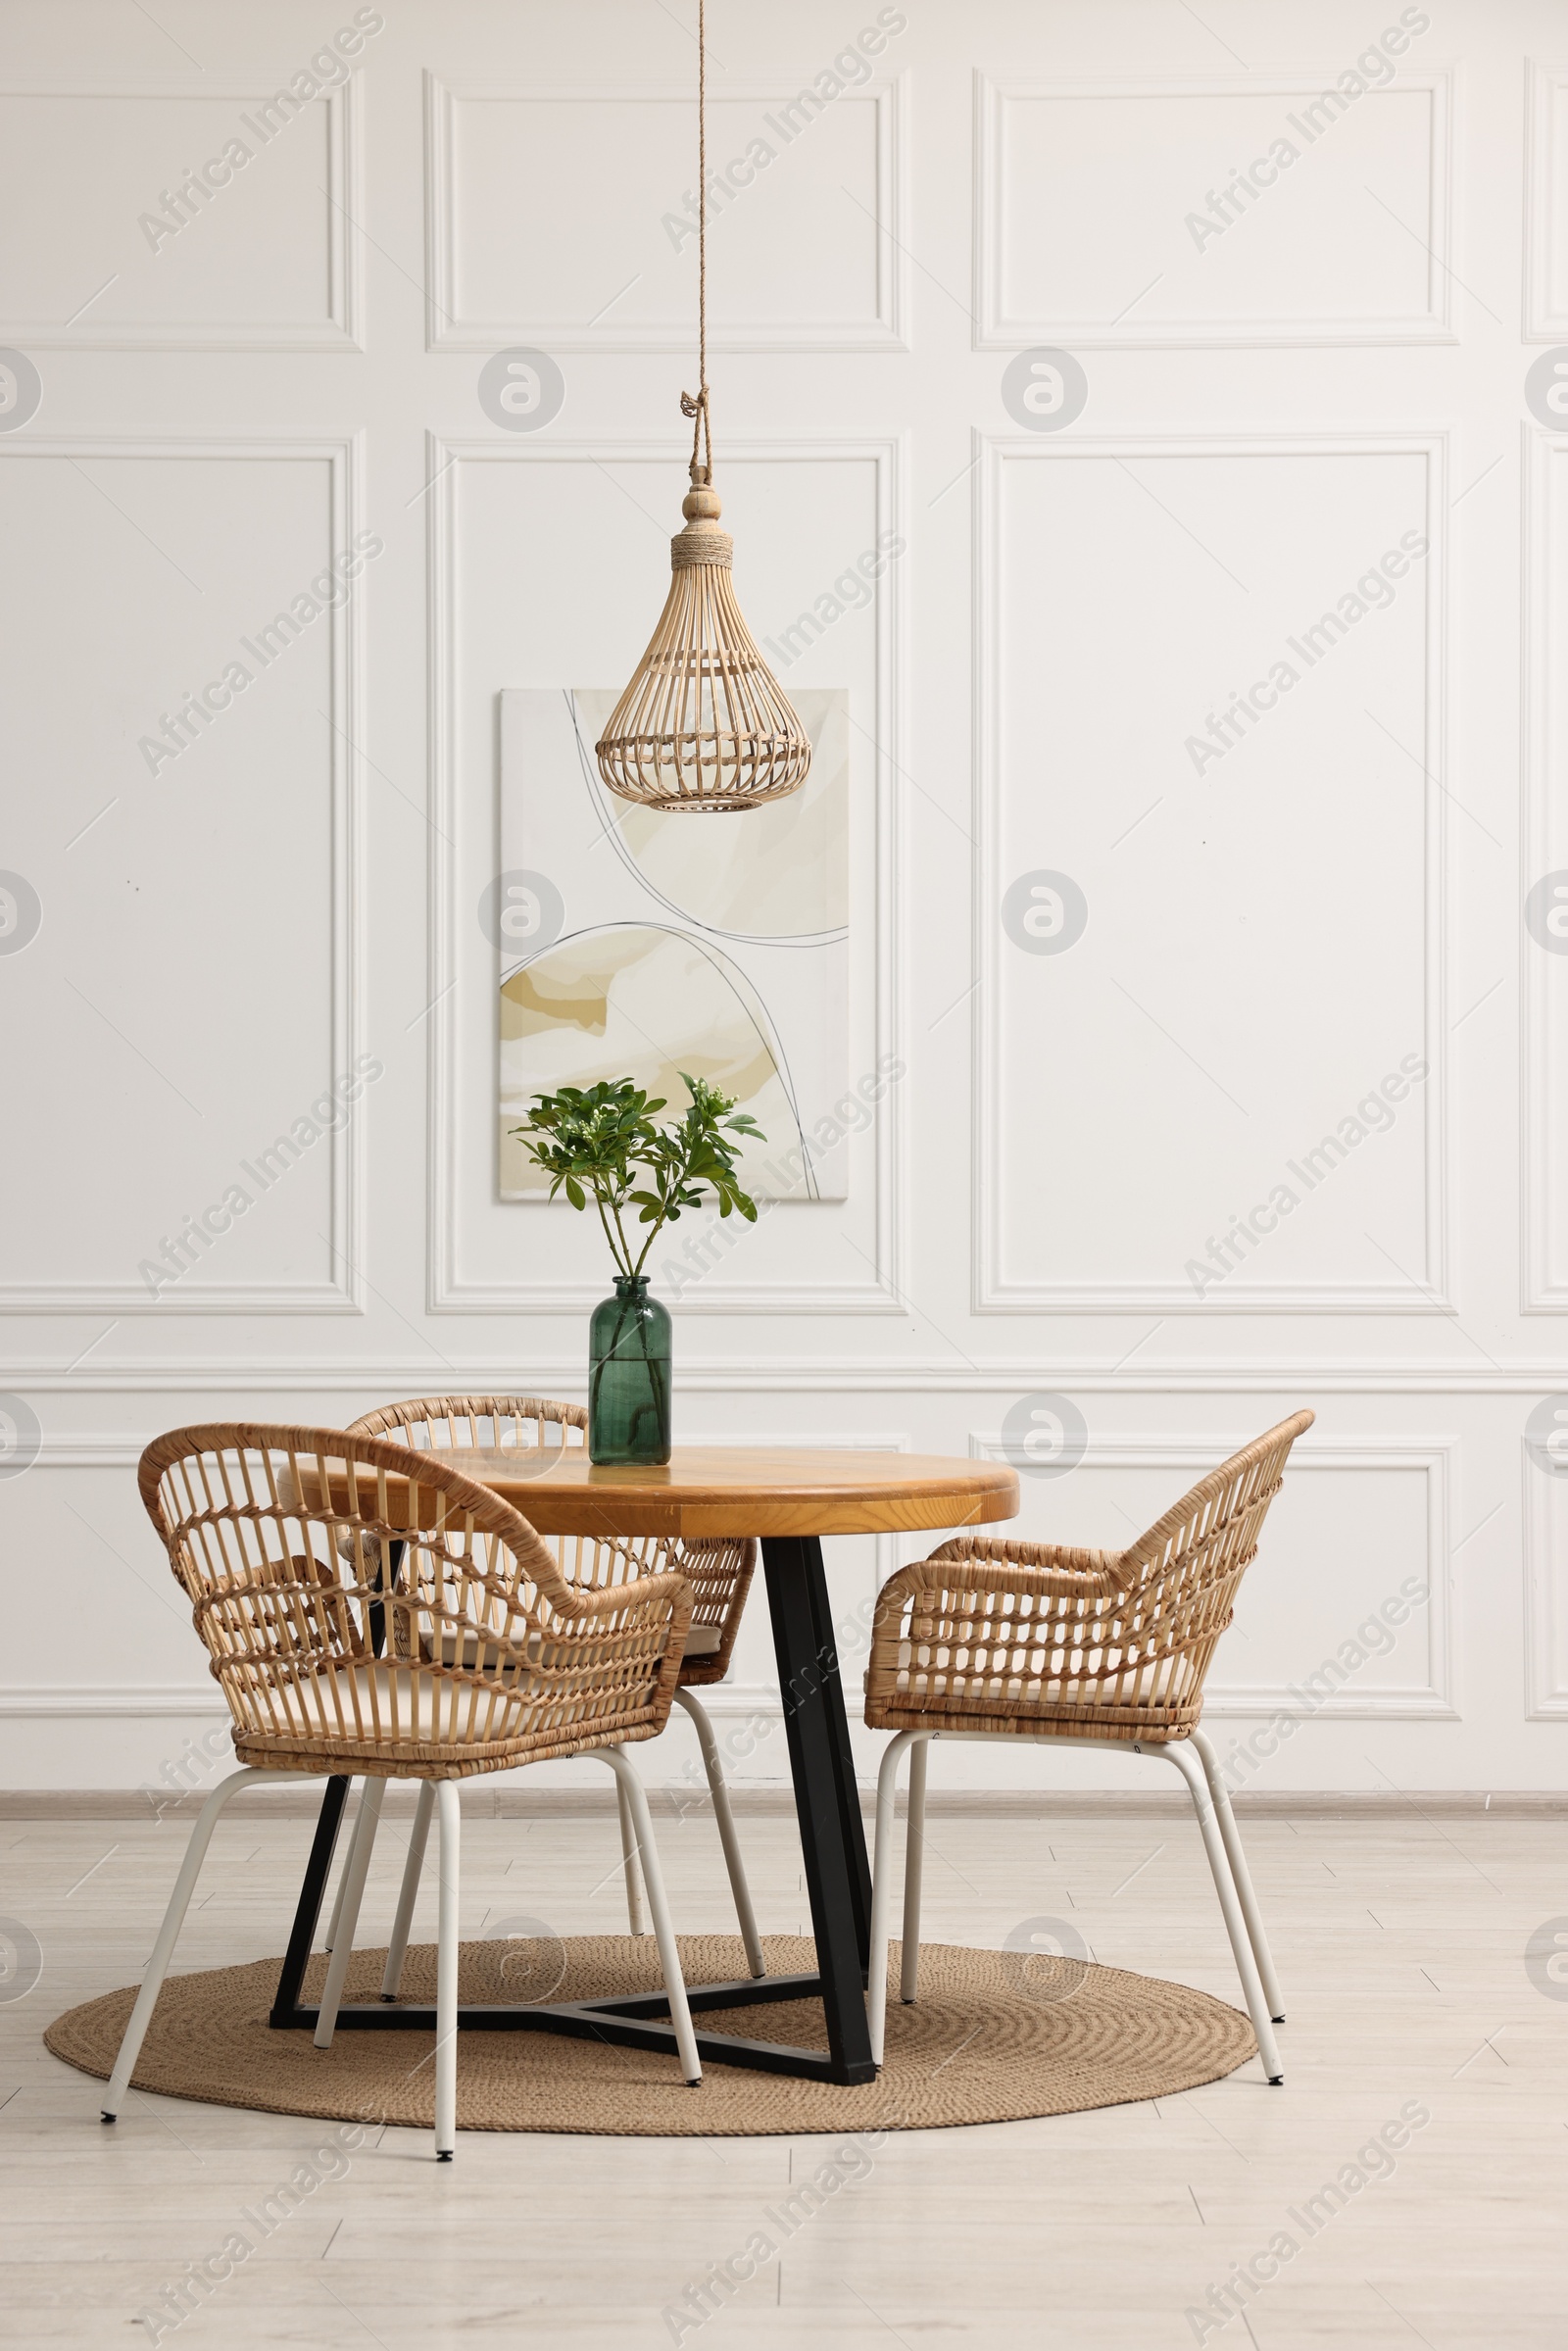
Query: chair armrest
{"type": "Point", "coordinates": [982, 1591]}
{"type": "Point", "coordinates": [646, 1637]}
{"type": "Point", "coordinates": [643, 1601]}
{"type": "Point", "coordinates": [1034, 1574]}
{"type": "Point", "coordinates": [1055, 1567]}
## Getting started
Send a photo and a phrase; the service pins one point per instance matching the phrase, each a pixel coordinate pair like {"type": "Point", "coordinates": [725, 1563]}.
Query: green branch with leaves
{"type": "Point", "coordinates": [600, 1143]}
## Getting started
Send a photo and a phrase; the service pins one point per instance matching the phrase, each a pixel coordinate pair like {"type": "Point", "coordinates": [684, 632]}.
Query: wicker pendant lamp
{"type": "Point", "coordinates": [703, 724]}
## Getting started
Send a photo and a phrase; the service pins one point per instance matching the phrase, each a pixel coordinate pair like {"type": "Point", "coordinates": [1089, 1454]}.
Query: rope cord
{"type": "Point", "coordinates": [701, 466]}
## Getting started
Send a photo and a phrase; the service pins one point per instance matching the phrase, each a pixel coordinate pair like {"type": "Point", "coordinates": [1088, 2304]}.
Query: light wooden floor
{"type": "Point", "coordinates": [1402, 1941]}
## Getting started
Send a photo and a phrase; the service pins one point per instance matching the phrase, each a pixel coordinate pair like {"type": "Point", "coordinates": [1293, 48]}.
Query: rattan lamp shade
{"type": "Point", "coordinates": [703, 724]}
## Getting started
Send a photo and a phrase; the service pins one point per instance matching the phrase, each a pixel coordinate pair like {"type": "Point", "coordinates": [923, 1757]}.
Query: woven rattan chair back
{"type": "Point", "coordinates": [1184, 1574]}
{"type": "Point", "coordinates": [491, 1421]}
{"type": "Point", "coordinates": [366, 1611]}
{"type": "Point", "coordinates": [1002, 1634]}
{"type": "Point", "coordinates": [719, 1569]}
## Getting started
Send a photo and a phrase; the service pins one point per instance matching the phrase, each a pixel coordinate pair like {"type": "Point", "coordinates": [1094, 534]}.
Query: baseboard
{"type": "Point", "coordinates": [490, 1802]}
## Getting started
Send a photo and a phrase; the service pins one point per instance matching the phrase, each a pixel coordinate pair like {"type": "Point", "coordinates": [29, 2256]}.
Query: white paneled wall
{"type": "Point", "coordinates": [1260, 652]}
{"type": "Point", "coordinates": [1135, 163]}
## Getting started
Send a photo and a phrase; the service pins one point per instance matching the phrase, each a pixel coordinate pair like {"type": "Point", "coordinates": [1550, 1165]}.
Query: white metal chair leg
{"type": "Point", "coordinates": [337, 1904]}
{"type": "Point", "coordinates": [354, 1876]}
{"type": "Point", "coordinates": [680, 2015]}
{"type": "Point", "coordinates": [719, 1789]}
{"type": "Point", "coordinates": [334, 1923]}
{"type": "Point", "coordinates": [1191, 1772]}
{"type": "Point", "coordinates": [914, 1861]}
{"type": "Point", "coordinates": [876, 1977]}
{"type": "Point", "coordinates": [397, 1949]}
{"type": "Point", "coordinates": [141, 2016]}
{"type": "Point", "coordinates": [635, 1918]}
{"type": "Point", "coordinates": [330, 1937]}
{"type": "Point", "coordinates": [1241, 1874]}
{"type": "Point", "coordinates": [445, 1975]}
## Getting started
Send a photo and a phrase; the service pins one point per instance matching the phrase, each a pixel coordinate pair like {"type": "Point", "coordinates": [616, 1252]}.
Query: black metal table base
{"type": "Point", "coordinates": [629, 2022]}
{"type": "Point", "coordinates": [837, 1879]}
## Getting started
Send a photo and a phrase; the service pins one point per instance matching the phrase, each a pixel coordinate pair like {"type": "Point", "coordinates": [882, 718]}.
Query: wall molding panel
{"type": "Point", "coordinates": [874, 1287]}
{"type": "Point", "coordinates": [342, 1291]}
{"type": "Point", "coordinates": [1546, 192]}
{"type": "Point", "coordinates": [1426, 1291]}
{"type": "Point", "coordinates": [1546, 1594]}
{"type": "Point", "coordinates": [996, 330]}
{"type": "Point", "coordinates": [340, 327]}
{"type": "Point", "coordinates": [883, 329]}
{"type": "Point", "coordinates": [1543, 977]}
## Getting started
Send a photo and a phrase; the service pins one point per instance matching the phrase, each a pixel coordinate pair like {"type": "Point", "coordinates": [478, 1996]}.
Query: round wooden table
{"type": "Point", "coordinates": [741, 1489]}
{"type": "Point", "coordinates": [789, 1497]}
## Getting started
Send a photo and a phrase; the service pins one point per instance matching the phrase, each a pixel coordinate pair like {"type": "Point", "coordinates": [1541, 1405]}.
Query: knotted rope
{"type": "Point", "coordinates": [695, 405]}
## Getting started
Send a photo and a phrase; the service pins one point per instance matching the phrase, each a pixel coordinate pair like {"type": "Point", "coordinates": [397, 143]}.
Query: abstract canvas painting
{"type": "Point", "coordinates": [634, 943]}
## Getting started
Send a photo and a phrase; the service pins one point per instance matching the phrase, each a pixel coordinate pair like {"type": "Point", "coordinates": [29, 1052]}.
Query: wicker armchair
{"type": "Point", "coordinates": [991, 1638]}
{"type": "Point", "coordinates": [718, 1570]}
{"type": "Point", "coordinates": [366, 1611]}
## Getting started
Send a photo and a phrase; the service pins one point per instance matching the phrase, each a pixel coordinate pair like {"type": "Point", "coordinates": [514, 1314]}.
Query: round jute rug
{"type": "Point", "coordinates": [995, 2037]}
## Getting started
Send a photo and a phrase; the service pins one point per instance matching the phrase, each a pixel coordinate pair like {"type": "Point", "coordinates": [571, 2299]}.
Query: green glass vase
{"type": "Point", "coordinates": [628, 1376]}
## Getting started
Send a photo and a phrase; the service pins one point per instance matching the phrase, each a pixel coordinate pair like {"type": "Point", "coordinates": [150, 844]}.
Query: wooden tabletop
{"type": "Point", "coordinates": [741, 1490]}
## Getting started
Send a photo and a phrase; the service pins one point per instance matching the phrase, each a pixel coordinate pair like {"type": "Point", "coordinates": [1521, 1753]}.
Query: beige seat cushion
{"type": "Point", "coordinates": [702, 1641]}
{"type": "Point", "coordinates": [376, 1702]}
{"type": "Point", "coordinates": [379, 1702]}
